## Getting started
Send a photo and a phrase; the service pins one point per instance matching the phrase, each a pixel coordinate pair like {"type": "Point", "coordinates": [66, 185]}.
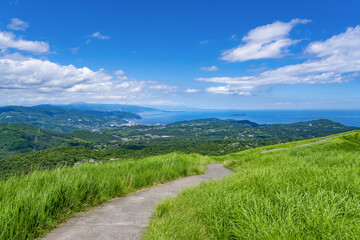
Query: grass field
{"type": "Point", "coordinates": [33, 204]}
{"type": "Point", "coordinates": [310, 192]}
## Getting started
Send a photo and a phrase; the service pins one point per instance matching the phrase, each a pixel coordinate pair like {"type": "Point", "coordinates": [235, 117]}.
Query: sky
{"type": "Point", "coordinates": [202, 53]}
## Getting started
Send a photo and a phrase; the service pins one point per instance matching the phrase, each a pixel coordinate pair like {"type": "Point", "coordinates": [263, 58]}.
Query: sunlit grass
{"type": "Point", "coordinates": [311, 192]}
{"type": "Point", "coordinates": [33, 204]}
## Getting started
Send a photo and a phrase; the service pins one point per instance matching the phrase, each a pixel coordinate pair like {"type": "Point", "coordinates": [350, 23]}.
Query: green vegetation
{"type": "Point", "coordinates": [45, 159]}
{"type": "Point", "coordinates": [21, 138]}
{"type": "Point", "coordinates": [63, 120]}
{"type": "Point", "coordinates": [216, 137]}
{"type": "Point", "coordinates": [33, 204]}
{"type": "Point", "coordinates": [310, 192]}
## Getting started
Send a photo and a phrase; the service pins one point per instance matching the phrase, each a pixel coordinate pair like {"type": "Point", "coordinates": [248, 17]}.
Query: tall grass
{"type": "Point", "coordinates": [31, 205]}
{"type": "Point", "coordinates": [311, 192]}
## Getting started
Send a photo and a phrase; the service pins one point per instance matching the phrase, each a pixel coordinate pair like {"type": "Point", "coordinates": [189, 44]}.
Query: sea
{"type": "Point", "coordinates": [346, 117]}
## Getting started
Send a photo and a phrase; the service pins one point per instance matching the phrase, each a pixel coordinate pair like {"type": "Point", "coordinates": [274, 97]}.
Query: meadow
{"type": "Point", "coordinates": [33, 204]}
{"type": "Point", "coordinates": [310, 192]}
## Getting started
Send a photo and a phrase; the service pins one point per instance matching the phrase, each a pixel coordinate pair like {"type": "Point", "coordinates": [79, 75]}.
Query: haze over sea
{"type": "Point", "coordinates": [346, 117]}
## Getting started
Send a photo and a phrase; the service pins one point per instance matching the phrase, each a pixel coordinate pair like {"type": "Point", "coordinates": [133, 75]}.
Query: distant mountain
{"type": "Point", "coordinates": [63, 120]}
{"type": "Point", "coordinates": [101, 107]}
{"type": "Point", "coordinates": [207, 121]}
{"type": "Point", "coordinates": [320, 124]}
{"type": "Point", "coordinates": [241, 122]}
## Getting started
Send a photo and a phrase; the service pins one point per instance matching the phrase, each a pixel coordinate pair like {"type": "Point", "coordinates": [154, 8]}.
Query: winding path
{"type": "Point", "coordinates": [302, 145]}
{"type": "Point", "coordinates": [127, 217]}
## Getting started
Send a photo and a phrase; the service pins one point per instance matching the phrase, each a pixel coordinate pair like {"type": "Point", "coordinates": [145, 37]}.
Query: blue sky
{"type": "Point", "coordinates": [205, 54]}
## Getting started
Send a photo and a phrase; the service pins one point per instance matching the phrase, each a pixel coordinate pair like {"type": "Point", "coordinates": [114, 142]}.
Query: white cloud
{"type": "Point", "coordinates": [98, 35]}
{"type": "Point", "coordinates": [345, 43]}
{"type": "Point", "coordinates": [209, 69]}
{"type": "Point", "coordinates": [191, 90]}
{"type": "Point", "coordinates": [164, 87]}
{"type": "Point", "coordinates": [21, 72]}
{"type": "Point", "coordinates": [9, 40]}
{"type": "Point", "coordinates": [119, 72]}
{"type": "Point", "coordinates": [17, 24]}
{"type": "Point", "coordinates": [226, 90]}
{"type": "Point", "coordinates": [268, 41]}
{"type": "Point", "coordinates": [120, 75]}
{"type": "Point", "coordinates": [204, 42]}
{"type": "Point", "coordinates": [335, 60]}
{"type": "Point", "coordinates": [30, 78]}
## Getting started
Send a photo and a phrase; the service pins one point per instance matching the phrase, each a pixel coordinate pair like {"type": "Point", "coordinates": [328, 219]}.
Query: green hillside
{"type": "Point", "coordinates": [21, 138]}
{"type": "Point", "coordinates": [63, 120]}
{"type": "Point", "coordinates": [310, 192]}
{"type": "Point", "coordinates": [32, 205]}
{"type": "Point", "coordinates": [25, 147]}
{"type": "Point", "coordinates": [18, 138]}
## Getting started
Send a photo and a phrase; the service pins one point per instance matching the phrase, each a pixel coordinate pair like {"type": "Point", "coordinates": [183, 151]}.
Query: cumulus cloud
{"type": "Point", "coordinates": [268, 41]}
{"type": "Point", "coordinates": [120, 75]}
{"type": "Point", "coordinates": [98, 35]}
{"type": "Point", "coordinates": [191, 90]}
{"type": "Point", "coordinates": [21, 72]}
{"type": "Point", "coordinates": [119, 72]}
{"type": "Point", "coordinates": [334, 60]}
{"type": "Point", "coordinates": [165, 88]}
{"type": "Point", "coordinates": [30, 78]}
{"type": "Point", "coordinates": [9, 40]}
{"type": "Point", "coordinates": [345, 43]}
{"type": "Point", "coordinates": [228, 89]}
{"type": "Point", "coordinates": [17, 24]}
{"type": "Point", "coordinates": [209, 69]}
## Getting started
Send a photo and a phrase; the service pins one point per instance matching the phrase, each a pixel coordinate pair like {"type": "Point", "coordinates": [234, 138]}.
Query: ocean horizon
{"type": "Point", "coordinates": [346, 117]}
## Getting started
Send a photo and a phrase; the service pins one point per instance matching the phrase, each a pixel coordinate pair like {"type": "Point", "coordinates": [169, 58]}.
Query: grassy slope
{"type": "Point", "coordinates": [33, 204]}
{"type": "Point", "coordinates": [17, 138]}
{"type": "Point", "coordinates": [310, 192]}
{"type": "Point", "coordinates": [21, 138]}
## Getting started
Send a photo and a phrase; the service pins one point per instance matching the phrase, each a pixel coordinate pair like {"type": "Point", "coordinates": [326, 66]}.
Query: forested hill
{"type": "Point", "coordinates": [64, 120]}
{"type": "Point", "coordinates": [21, 138]}
{"type": "Point", "coordinates": [23, 147]}
{"type": "Point", "coordinates": [207, 121]}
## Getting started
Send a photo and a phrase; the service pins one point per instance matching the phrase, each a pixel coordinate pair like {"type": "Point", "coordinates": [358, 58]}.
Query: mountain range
{"type": "Point", "coordinates": [65, 118]}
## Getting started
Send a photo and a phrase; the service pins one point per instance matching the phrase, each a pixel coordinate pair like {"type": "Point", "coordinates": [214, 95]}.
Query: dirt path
{"type": "Point", "coordinates": [127, 217]}
{"type": "Point", "coordinates": [302, 145]}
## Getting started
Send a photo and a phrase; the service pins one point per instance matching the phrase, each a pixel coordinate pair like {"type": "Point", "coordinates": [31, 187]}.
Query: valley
{"type": "Point", "coordinates": [24, 147]}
